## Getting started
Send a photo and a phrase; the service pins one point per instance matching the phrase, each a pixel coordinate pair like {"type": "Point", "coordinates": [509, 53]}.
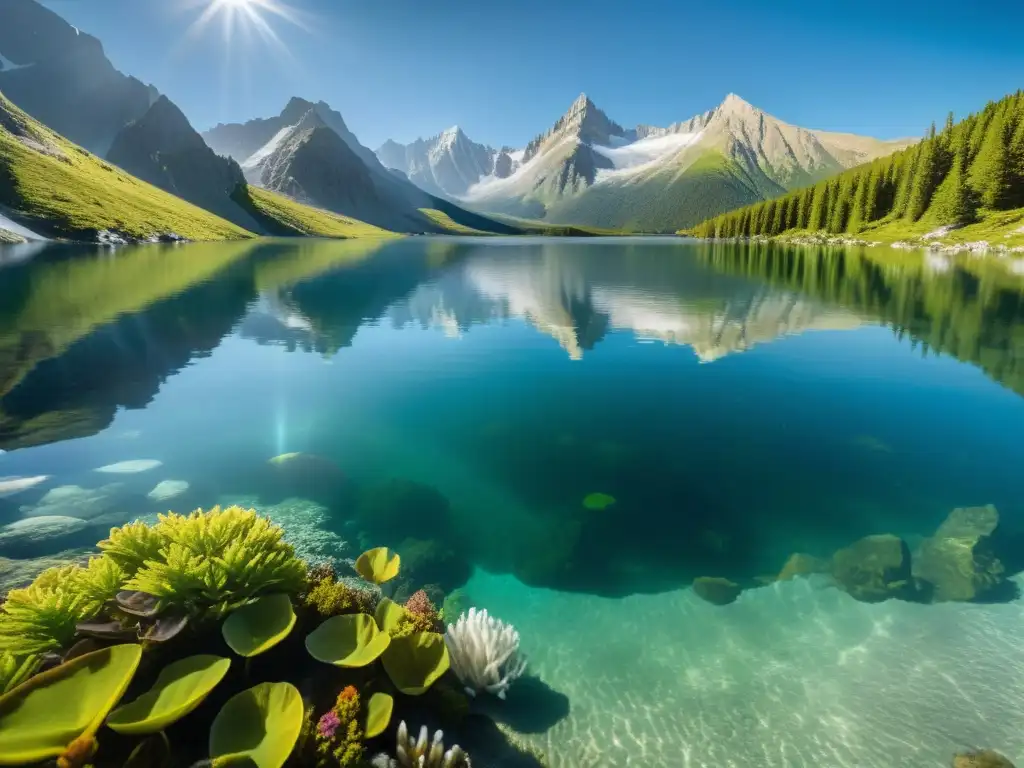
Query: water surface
{"type": "Point", "coordinates": [740, 403]}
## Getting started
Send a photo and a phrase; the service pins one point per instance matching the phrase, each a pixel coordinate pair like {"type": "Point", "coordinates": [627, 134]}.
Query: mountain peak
{"type": "Point", "coordinates": [733, 104]}
{"type": "Point", "coordinates": [295, 109]}
{"type": "Point", "coordinates": [311, 119]}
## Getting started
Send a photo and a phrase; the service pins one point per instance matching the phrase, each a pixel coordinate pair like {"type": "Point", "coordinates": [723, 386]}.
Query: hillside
{"type": "Point", "coordinates": [588, 170]}
{"type": "Point", "coordinates": [58, 189]}
{"type": "Point", "coordinates": [966, 181]}
{"type": "Point", "coordinates": [161, 147]}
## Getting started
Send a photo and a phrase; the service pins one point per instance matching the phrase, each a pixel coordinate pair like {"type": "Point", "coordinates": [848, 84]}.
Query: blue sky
{"type": "Point", "coordinates": [506, 69]}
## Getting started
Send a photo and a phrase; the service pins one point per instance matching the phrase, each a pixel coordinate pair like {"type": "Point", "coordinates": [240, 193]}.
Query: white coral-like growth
{"type": "Point", "coordinates": [484, 653]}
{"type": "Point", "coordinates": [421, 753]}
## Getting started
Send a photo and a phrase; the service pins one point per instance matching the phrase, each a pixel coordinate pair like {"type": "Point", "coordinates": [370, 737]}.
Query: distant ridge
{"type": "Point", "coordinates": [589, 170]}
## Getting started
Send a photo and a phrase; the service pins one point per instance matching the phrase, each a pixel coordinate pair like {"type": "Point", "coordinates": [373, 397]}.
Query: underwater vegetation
{"type": "Point", "coordinates": [214, 643]}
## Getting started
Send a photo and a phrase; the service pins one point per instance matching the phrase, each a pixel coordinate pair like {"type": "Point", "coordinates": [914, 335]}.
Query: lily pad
{"type": "Point", "coordinates": [416, 661]}
{"type": "Point", "coordinates": [388, 614]}
{"type": "Point", "coordinates": [598, 501]}
{"type": "Point", "coordinates": [259, 626]}
{"type": "Point", "coordinates": [179, 689]}
{"type": "Point", "coordinates": [43, 715]}
{"type": "Point", "coordinates": [257, 727]}
{"type": "Point", "coordinates": [349, 640]}
{"type": "Point", "coordinates": [378, 565]}
{"type": "Point", "coordinates": [378, 715]}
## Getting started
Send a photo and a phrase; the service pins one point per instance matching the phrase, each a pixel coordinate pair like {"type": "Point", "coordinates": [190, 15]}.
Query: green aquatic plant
{"type": "Point", "coordinates": [389, 616]}
{"type": "Point", "coordinates": [179, 689]}
{"type": "Point", "coordinates": [257, 727]}
{"type": "Point", "coordinates": [378, 565]}
{"type": "Point", "coordinates": [37, 720]}
{"type": "Point", "coordinates": [260, 625]}
{"type": "Point", "coordinates": [598, 501]}
{"type": "Point", "coordinates": [351, 640]}
{"type": "Point", "coordinates": [378, 715]}
{"type": "Point", "coordinates": [217, 560]}
{"type": "Point", "coordinates": [14, 670]}
{"type": "Point", "coordinates": [131, 545]}
{"type": "Point", "coordinates": [42, 616]}
{"type": "Point", "coordinates": [416, 661]}
{"type": "Point", "coordinates": [329, 597]}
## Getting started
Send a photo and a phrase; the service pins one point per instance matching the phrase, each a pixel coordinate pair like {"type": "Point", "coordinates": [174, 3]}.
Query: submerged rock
{"type": "Point", "coordinates": [75, 501]}
{"type": "Point", "coordinates": [960, 560]}
{"type": "Point", "coordinates": [716, 590]}
{"type": "Point", "coordinates": [875, 568]}
{"type": "Point", "coordinates": [168, 489]}
{"type": "Point", "coordinates": [130, 467]}
{"type": "Point", "coordinates": [21, 573]}
{"type": "Point", "coordinates": [9, 486]}
{"type": "Point", "coordinates": [35, 536]}
{"type": "Point", "coordinates": [986, 758]}
{"type": "Point", "coordinates": [800, 564]}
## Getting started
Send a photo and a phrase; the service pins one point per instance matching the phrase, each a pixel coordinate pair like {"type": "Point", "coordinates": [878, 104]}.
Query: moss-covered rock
{"type": "Point", "coordinates": [986, 758]}
{"type": "Point", "coordinates": [960, 559]}
{"type": "Point", "coordinates": [405, 508]}
{"type": "Point", "coordinates": [716, 590]}
{"type": "Point", "coordinates": [875, 568]}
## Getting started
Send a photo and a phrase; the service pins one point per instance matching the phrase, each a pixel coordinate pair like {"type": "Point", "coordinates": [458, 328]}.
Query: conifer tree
{"type": "Point", "coordinates": [1016, 157]}
{"type": "Point", "coordinates": [991, 173]}
{"type": "Point", "coordinates": [955, 202]}
{"type": "Point", "coordinates": [870, 198]}
{"type": "Point", "coordinates": [922, 187]}
{"type": "Point", "coordinates": [857, 215]}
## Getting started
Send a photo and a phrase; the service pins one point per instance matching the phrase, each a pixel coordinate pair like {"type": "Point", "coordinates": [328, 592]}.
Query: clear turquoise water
{"type": "Point", "coordinates": [739, 403]}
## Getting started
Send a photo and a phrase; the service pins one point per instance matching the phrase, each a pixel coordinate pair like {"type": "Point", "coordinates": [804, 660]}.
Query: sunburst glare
{"type": "Point", "coordinates": [245, 18]}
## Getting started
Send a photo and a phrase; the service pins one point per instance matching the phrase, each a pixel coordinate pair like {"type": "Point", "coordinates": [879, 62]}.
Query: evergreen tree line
{"type": "Point", "coordinates": [946, 179]}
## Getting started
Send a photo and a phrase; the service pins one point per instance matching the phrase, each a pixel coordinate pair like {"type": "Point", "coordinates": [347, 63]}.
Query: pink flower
{"type": "Point", "coordinates": [328, 724]}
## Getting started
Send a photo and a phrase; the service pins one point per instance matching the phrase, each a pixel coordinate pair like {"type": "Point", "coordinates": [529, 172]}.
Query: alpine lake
{"type": "Point", "coordinates": [658, 459]}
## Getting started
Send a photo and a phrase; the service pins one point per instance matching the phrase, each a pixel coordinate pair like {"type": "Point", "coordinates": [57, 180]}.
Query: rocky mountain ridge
{"type": "Point", "coordinates": [589, 170]}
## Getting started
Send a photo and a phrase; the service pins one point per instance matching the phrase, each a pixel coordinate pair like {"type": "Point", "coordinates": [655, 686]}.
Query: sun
{"type": "Point", "coordinates": [245, 17]}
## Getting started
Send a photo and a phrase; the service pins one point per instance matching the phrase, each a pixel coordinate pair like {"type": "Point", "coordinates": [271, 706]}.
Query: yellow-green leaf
{"type": "Point", "coordinates": [378, 714]}
{"type": "Point", "coordinates": [259, 626]}
{"type": "Point", "coordinates": [180, 688]}
{"type": "Point", "coordinates": [388, 614]}
{"type": "Point", "coordinates": [378, 565]}
{"type": "Point", "coordinates": [257, 727]}
{"type": "Point", "coordinates": [349, 640]}
{"type": "Point", "coordinates": [43, 715]}
{"type": "Point", "coordinates": [414, 662]}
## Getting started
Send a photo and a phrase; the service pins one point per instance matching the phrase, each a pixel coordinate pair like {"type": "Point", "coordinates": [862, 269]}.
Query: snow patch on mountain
{"type": "Point", "coordinates": [522, 178]}
{"type": "Point", "coordinates": [6, 65]}
{"type": "Point", "coordinates": [641, 155]}
{"type": "Point", "coordinates": [252, 163]}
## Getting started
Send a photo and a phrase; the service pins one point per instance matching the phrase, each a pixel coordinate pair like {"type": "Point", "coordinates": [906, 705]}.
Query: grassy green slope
{"type": "Point", "coordinates": [284, 217]}
{"type": "Point", "coordinates": [664, 203]}
{"type": "Point", "coordinates": [58, 189]}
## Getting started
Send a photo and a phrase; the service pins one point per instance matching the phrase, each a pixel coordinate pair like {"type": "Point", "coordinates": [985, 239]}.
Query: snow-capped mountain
{"type": "Point", "coordinates": [446, 164]}
{"type": "Point", "coordinates": [307, 152]}
{"type": "Point", "coordinates": [589, 170]}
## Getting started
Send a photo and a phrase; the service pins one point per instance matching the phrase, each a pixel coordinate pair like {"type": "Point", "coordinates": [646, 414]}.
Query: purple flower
{"type": "Point", "coordinates": [328, 724]}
